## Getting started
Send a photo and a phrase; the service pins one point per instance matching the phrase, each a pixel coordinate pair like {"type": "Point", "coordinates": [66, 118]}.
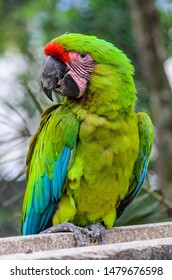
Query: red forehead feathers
{"type": "Point", "coordinates": [57, 51]}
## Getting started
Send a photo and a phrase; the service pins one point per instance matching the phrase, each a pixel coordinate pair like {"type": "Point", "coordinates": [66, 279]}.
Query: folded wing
{"type": "Point", "coordinates": [49, 159]}
{"type": "Point", "coordinates": [140, 169]}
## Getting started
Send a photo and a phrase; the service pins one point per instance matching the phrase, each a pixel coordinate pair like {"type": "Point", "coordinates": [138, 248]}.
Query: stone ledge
{"type": "Point", "coordinates": [157, 249]}
{"type": "Point", "coordinates": [128, 236]}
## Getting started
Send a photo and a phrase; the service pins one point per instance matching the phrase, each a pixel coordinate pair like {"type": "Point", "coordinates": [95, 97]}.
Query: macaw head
{"type": "Point", "coordinates": [79, 65]}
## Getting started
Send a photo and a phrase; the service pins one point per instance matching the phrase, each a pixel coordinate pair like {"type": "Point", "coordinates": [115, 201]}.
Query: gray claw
{"type": "Point", "coordinates": [69, 227]}
{"type": "Point", "coordinates": [98, 232]}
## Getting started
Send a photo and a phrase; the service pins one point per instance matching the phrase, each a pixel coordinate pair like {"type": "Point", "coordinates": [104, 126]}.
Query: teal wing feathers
{"type": "Point", "coordinates": [49, 158]}
{"type": "Point", "coordinates": [145, 129]}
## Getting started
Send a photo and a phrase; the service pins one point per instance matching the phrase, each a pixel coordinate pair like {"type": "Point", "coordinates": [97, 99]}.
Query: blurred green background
{"type": "Point", "coordinates": [25, 27]}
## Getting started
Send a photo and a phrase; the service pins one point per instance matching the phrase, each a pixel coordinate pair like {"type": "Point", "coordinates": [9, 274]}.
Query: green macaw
{"type": "Point", "coordinates": [89, 157]}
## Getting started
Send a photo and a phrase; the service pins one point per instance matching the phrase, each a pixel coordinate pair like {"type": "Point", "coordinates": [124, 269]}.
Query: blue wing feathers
{"type": "Point", "coordinates": [66, 158]}
{"type": "Point", "coordinates": [35, 221]}
{"type": "Point", "coordinates": [47, 193]}
{"type": "Point", "coordinates": [60, 172]}
{"type": "Point", "coordinates": [140, 182]}
{"type": "Point", "coordinates": [46, 185]}
{"type": "Point", "coordinates": [47, 214]}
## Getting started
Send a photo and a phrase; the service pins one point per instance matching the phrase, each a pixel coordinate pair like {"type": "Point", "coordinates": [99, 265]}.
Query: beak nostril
{"type": "Point", "coordinates": [56, 86]}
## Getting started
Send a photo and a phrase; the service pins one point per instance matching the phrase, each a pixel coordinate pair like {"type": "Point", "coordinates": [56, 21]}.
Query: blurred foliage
{"type": "Point", "coordinates": [26, 26]}
{"type": "Point", "coordinates": [166, 27]}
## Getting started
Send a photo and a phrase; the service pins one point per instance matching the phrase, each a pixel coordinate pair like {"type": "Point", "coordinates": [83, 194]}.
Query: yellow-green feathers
{"type": "Point", "coordinates": [89, 157]}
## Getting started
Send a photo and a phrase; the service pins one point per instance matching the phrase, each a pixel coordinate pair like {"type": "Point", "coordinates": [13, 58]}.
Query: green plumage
{"type": "Point", "coordinates": [107, 144]}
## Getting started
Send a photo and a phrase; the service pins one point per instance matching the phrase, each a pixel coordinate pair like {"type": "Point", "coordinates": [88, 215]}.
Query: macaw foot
{"type": "Point", "coordinates": [97, 232]}
{"type": "Point", "coordinates": [94, 232]}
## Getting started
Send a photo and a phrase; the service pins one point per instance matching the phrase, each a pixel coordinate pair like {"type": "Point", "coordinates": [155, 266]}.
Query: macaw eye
{"type": "Point", "coordinates": [83, 55]}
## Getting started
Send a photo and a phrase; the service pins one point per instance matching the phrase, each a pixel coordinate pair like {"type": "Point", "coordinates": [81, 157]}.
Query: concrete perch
{"type": "Point", "coordinates": [149, 241]}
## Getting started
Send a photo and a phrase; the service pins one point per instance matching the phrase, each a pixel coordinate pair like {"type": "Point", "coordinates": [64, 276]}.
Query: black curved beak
{"type": "Point", "coordinates": [52, 74]}
{"type": "Point", "coordinates": [47, 91]}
